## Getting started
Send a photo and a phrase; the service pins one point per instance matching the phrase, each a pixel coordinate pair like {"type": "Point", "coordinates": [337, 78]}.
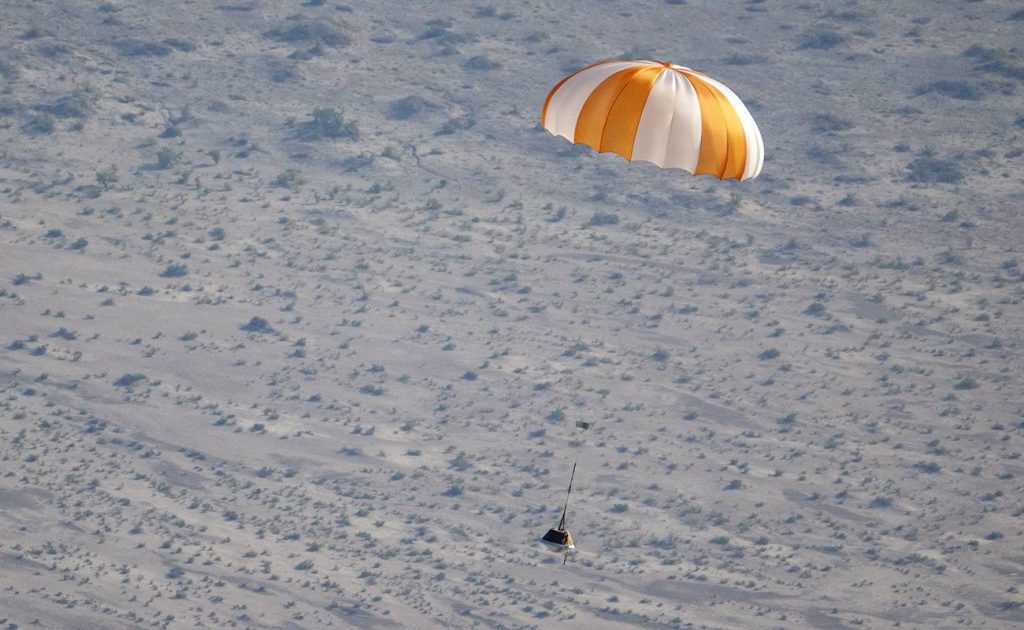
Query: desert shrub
{"type": "Point", "coordinates": [297, 29]}
{"type": "Point", "coordinates": [40, 123]}
{"type": "Point", "coordinates": [174, 271]}
{"type": "Point", "coordinates": [966, 383]}
{"type": "Point", "coordinates": [821, 39]}
{"type": "Point", "coordinates": [140, 48]}
{"type": "Point", "coordinates": [603, 218]}
{"type": "Point", "coordinates": [849, 16]}
{"type": "Point", "coordinates": [435, 28]}
{"type": "Point", "coordinates": [928, 169]}
{"type": "Point", "coordinates": [455, 124]}
{"type": "Point", "coordinates": [257, 324]}
{"type": "Point", "coordinates": [768, 354]}
{"type": "Point", "coordinates": [327, 123]}
{"type": "Point", "coordinates": [440, 30]}
{"type": "Point", "coordinates": [64, 333]}
{"type": "Point", "coordinates": [829, 123]}
{"type": "Point", "coordinates": [558, 415]}
{"type": "Point", "coordinates": [480, 62]}
{"type": "Point", "coordinates": [316, 50]}
{"type": "Point", "coordinates": [949, 257]}
{"type": "Point", "coordinates": [864, 240]}
{"type": "Point", "coordinates": [77, 104]}
{"type": "Point", "coordinates": [816, 309]}
{"type": "Point", "coordinates": [1007, 606]}
{"type": "Point", "coordinates": [107, 178]}
{"type": "Point", "coordinates": [952, 88]}
{"type": "Point", "coordinates": [180, 44]}
{"type": "Point", "coordinates": [8, 70]}
{"type": "Point", "coordinates": [288, 179]}
{"type": "Point", "coordinates": [995, 60]}
{"type": "Point", "coordinates": [283, 72]}
{"type": "Point", "coordinates": [740, 59]}
{"type": "Point", "coordinates": [406, 108]}
{"type": "Point", "coordinates": [460, 462]}
{"type": "Point", "coordinates": [129, 378]}
{"type": "Point", "coordinates": [355, 162]}
{"type": "Point", "coordinates": [167, 157]}
{"type": "Point", "coordinates": [22, 278]}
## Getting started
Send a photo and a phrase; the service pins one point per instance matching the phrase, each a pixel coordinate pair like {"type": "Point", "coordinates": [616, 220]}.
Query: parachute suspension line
{"type": "Point", "coordinates": [561, 523]}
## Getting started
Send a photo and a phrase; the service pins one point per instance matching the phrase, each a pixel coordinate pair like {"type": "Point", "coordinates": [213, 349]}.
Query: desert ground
{"type": "Point", "coordinates": [300, 306]}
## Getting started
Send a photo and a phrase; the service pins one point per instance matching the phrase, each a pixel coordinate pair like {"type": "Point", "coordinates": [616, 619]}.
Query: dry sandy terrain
{"type": "Point", "coordinates": [265, 370]}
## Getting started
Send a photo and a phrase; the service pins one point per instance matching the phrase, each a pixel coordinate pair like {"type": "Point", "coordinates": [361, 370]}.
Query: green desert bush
{"type": "Point", "coordinates": [603, 218]}
{"type": "Point", "coordinates": [77, 104]}
{"type": "Point", "coordinates": [297, 29]}
{"type": "Point", "coordinates": [174, 271]}
{"type": "Point", "coordinates": [959, 89]}
{"type": "Point", "coordinates": [141, 48]}
{"type": "Point", "coordinates": [128, 379]}
{"type": "Point", "coordinates": [288, 179]}
{"type": "Point", "coordinates": [258, 325]}
{"type": "Point", "coordinates": [41, 123]}
{"type": "Point", "coordinates": [327, 123]}
{"type": "Point", "coordinates": [406, 108]}
{"type": "Point", "coordinates": [820, 39]}
{"type": "Point", "coordinates": [928, 169]}
{"type": "Point", "coordinates": [481, 62]}
{"type": "Point", "coordinates": [167, 157]}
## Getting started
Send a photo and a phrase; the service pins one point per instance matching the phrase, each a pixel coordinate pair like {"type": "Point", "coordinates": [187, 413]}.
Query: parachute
{"type": "Point", "coordinates": [657, 112]}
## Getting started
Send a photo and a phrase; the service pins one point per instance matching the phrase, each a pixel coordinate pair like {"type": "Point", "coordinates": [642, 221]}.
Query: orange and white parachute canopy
{"type": "Point", "coordinates": [659, 112]}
